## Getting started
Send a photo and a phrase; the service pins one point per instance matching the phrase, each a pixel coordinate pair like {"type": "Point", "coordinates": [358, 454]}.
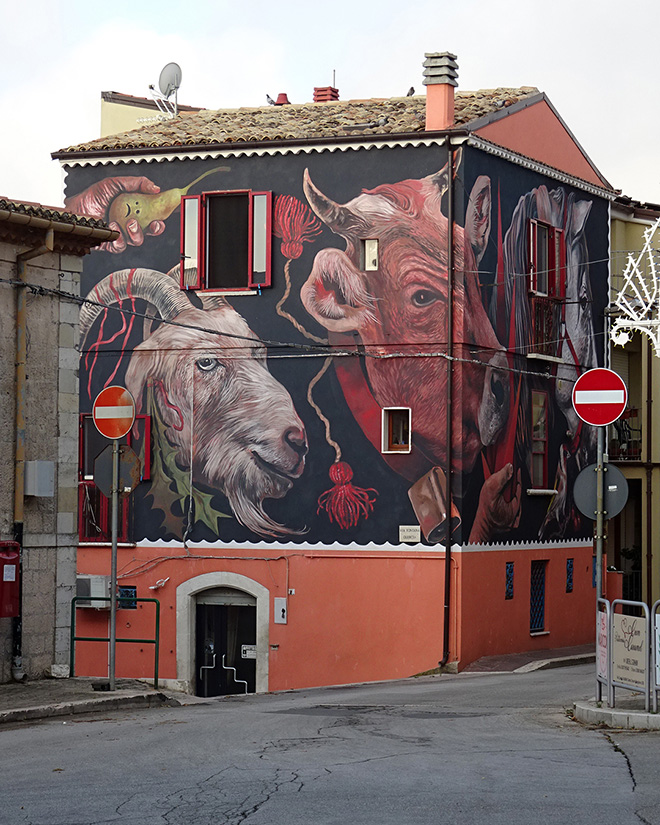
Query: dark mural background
{"type": "Point", "coordinates": [364, 497]}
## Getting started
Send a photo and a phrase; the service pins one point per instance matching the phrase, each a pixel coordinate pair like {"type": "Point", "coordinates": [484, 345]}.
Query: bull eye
{"type": "Point", "coordinates": [207, 364]}
{"type": "Point", "coordinates": [424, 297]}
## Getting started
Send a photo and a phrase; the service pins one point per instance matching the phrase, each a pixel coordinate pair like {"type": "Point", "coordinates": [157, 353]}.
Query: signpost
{"type": "Point", "coordinates": [599, 398]}
{"type": "Point", "coordinates": [114, 413]}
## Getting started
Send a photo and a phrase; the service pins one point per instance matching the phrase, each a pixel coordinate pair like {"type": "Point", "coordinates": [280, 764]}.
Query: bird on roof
{"type": "Point", "coordinates": [410, 92]}
{"type": "Point", "coordinates": [270, 100]}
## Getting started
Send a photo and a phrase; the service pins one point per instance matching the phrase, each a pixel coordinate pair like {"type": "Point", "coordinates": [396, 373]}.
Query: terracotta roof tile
{"type": "Point", "coordinates": [296, 122]}
{"type": "Point", "coordinates": [49, 213]}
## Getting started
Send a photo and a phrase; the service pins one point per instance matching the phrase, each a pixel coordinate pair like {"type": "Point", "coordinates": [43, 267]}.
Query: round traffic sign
{"type": "Point", "coordinates": [114, 412]}
{"type": "Point", "coordinates": [599, 397]}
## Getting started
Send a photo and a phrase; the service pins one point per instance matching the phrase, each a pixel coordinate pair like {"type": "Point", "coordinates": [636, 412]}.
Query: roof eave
{"type": "Point", "coordinates": [145, 151]}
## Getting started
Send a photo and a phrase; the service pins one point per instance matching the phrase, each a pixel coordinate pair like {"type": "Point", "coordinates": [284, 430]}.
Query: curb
{"type": "Point", "coordinates": [562, 661]}
{"type": "Point", "coordinates": [136, 700]}
{"type": "Point", "coordinates": [588, 713]}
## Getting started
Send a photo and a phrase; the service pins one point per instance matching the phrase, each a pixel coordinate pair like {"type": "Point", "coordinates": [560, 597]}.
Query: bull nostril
{"type": "Point", "coordinates": [497, 389]}
{"type": "Point", "coordinates": [295, 438]}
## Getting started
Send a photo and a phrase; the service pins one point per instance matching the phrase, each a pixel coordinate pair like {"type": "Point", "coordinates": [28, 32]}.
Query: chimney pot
{"type": "Point", "coordinates": [282, 99]}
{"type": "Point", "coordinates": [440, 78]}
{"type": "Point", "coordinates": [325, 93]}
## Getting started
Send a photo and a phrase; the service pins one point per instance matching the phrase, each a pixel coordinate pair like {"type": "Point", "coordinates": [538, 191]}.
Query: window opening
{"type": "Point", "coordinates": [537, 598]}
{"type": "Point", "coordinates": [369, 255]}
{"type": "Point", "coordinates": [539, 439]}
{"type": "Point", "coordinates": [226, 240]}
{"type": "Point", "coordinates": [396, 430]}
{"type": "Point", "coordinates": [508, 591]}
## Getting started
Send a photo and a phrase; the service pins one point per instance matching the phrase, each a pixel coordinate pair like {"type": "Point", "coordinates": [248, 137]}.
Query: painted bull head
{"type": "Point", "coordinates": [402, 307]}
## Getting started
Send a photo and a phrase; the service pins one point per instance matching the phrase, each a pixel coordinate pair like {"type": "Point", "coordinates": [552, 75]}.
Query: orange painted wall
{"type": "Point", "coordinates": [354, 617]}
{"type": "Point", "coordinates": [537, 133]}
{"type": "Point", "coordinates": [491, 624]}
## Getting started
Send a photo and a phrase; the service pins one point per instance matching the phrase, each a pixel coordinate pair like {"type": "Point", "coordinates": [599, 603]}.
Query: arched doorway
{"type": "Point", "coordinates": [225, 642]}
{"type": "Point", "coordinates": [189, 596]}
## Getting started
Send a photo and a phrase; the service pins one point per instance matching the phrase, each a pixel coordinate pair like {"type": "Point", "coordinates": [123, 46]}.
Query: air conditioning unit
{"type": "Point", "coordinates": [90, 588]}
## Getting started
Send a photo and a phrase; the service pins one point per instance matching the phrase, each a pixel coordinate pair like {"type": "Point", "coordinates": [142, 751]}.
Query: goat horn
{"type": "Point", "coordinates": [338, 217]}
{"type": "Point", "coordinates": [147, 284]}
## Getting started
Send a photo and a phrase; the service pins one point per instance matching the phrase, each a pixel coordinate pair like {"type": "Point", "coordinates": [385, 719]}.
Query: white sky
{"type": "Point", "coordinates": [596, 61]}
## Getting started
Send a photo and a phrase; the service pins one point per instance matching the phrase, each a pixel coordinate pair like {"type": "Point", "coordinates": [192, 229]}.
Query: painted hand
{"type": "Point", "coordinates": [96, 199]}
{"type": "Point", "coordinates": [499, 507]}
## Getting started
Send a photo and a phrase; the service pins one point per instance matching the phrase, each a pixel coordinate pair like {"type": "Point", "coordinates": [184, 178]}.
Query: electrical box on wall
{"type": "Point", "coordinates": [9, 579]}
{"type": "Point", "coordinates": [280, 611]}
{"type": "Point", "coordinates": [40, 478]}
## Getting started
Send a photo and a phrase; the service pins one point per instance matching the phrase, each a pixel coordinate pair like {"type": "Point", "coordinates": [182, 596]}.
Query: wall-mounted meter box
{"type": "Point", "coordinates": [40, 478]}
{"type": "Point", "coordinates": [9, 579]}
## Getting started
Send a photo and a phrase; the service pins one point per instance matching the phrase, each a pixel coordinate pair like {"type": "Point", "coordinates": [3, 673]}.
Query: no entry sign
{"type": "Point", "coordinates": [114, 412]}
{"type": "Point", "coordinates": [599, 397]}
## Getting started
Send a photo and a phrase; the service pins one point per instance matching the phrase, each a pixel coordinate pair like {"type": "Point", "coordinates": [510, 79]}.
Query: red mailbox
{"type": "Point", "coordinates": [9, 579]}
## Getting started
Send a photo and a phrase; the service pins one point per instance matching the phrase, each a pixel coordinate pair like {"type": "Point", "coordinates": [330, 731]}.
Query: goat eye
{"type": "Point", "coordinates": [207, 364]}
{"type": "Point", "coordinates": [424, 297]}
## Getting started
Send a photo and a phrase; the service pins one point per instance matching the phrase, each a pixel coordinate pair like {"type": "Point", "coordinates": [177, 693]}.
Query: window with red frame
{"type": "Point", "coordinates": [94, 509]}
{"type": "Point", "coordinates": [539, 439]}
{"type": "Point", "coordinates": [226, 240]}
{"type": "Point", "coordinates": [547, 260]}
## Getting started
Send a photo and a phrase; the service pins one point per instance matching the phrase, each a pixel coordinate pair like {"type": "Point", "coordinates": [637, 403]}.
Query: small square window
{"type": "Point", "coordinates": [226, 240]}
{"type": "Point", "coordinates": [396, 430]}
{"type": "Point", "coordinates": [369, 255]}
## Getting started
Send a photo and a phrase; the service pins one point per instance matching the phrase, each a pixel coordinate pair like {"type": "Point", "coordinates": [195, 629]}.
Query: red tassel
{"type": "Point", "coordinates": [345, 503]}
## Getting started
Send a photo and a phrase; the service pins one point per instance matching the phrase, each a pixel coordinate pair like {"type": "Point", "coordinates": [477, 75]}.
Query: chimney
{"type": "Point", "coordinates": [440, 73]}
{"type": "Point", "coordinates": [325, 93]}
{"type": "Point", "coordinates": [282, 99]}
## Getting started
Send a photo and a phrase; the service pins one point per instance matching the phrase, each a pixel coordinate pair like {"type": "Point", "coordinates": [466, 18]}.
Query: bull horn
{"type": "Point", "coordinates": [147, 284]}
{"type": "Point", "coordinates": [338, 217]}
{"type": "Point", "coordinates": [190, 276]}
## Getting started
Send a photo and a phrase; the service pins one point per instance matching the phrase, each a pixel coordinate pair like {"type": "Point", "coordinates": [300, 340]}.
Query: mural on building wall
{"type": "Point", "coordinates": [268, 408]}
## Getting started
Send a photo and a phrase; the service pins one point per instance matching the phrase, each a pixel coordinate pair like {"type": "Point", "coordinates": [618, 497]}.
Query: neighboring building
{"type": "Point", "coordinates": [353, 272]}
{"type": "Point", "coordinates": [634, 440]}
{"type": "Point", "coordinates": [122, 113]}
{"type": "Point", "coordinates": [41, 252]}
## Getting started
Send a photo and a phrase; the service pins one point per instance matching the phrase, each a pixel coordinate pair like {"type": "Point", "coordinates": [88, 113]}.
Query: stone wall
{"type": "Point", "coordinates": [50, 525]}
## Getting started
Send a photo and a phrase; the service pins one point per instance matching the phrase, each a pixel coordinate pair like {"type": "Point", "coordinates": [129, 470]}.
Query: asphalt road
{"type": "Point", "coordinates": [478, 748]}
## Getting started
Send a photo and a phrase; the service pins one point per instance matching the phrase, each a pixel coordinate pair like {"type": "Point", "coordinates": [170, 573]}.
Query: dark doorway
{"type": "Point", "coordinates": [225, 658]}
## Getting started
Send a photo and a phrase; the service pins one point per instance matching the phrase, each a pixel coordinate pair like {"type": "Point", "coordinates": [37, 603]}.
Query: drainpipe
{"type": "Point", "coordinates": [649, 475]}
{"type": "Point", "coordinates": [17, 671]}
{"type": "Point", "coordinates": [448, 422]}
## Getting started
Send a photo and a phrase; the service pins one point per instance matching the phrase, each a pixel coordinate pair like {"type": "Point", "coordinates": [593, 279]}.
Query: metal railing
{"type": "Point", "coordinates": [155, 641]}
{"type": "Point", "coordinates": [625, 437]}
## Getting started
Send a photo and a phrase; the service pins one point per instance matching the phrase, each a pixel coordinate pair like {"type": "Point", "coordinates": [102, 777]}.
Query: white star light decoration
{"type": "Point", "coordinates": [638, 300]}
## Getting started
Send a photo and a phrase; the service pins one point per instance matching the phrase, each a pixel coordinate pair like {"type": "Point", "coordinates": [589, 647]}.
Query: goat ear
{"type": "Point", "coordinates": [477, 217]}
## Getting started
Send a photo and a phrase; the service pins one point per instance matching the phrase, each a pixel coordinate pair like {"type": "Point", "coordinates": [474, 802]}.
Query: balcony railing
{"type": "Point", "coordinates": [625, 437]}
{"type": "Point", "coordinates": [546, 316]}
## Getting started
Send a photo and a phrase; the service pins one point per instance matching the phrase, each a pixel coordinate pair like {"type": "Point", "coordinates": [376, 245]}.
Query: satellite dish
{"type": "Point", "coordinates": [170, 79]}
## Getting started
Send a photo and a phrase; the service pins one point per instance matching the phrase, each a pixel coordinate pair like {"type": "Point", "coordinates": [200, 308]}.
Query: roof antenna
{"type": "Point", "coordinates": [168, 85]}
{"type": "Point", "coordinates": [334, 85]}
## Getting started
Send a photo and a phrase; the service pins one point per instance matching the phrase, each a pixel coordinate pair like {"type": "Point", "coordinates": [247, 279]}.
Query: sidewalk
{"type": "Point", "coordinates": [62, 697]}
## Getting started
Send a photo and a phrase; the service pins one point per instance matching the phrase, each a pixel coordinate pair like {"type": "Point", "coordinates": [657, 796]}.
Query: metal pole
{"type": "Point", "coordinates": [600, 515]}
{"type": "Point", "coordinates": [113, 566]}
